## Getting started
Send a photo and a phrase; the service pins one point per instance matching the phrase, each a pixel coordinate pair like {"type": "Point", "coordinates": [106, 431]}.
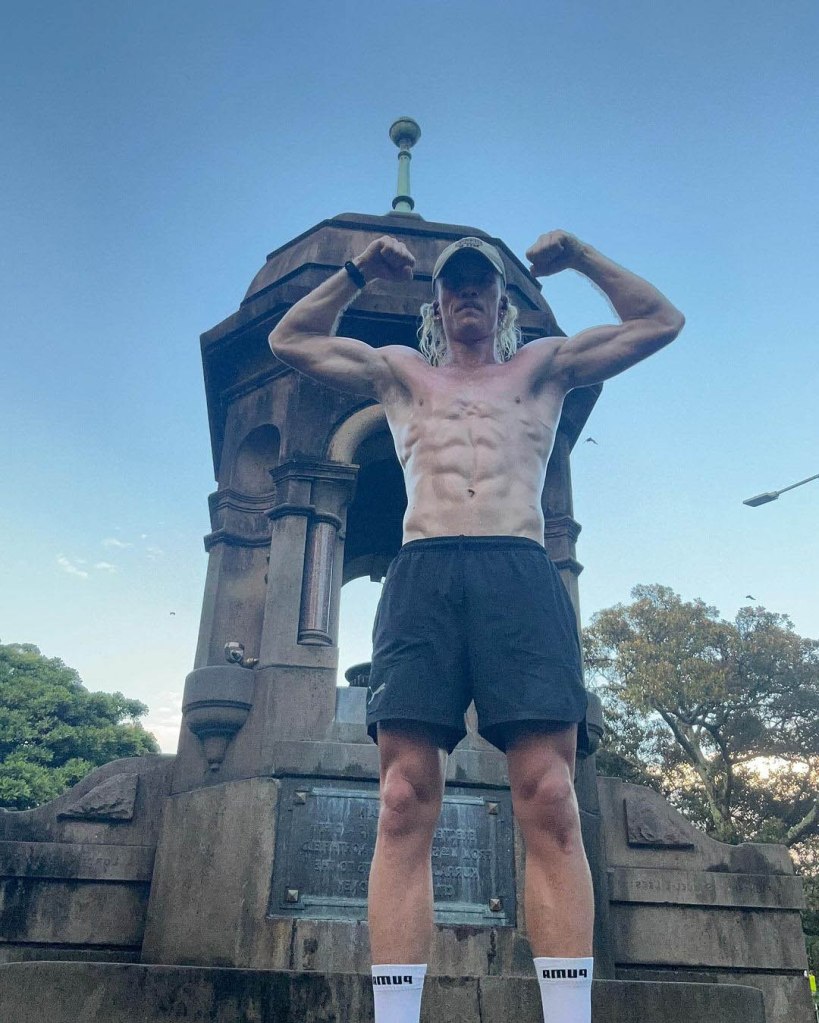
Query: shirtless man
{"type": "Point", "coordinates": [472, 607]}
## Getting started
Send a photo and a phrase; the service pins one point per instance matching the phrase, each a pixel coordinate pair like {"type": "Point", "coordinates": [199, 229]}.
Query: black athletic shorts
{"type": "Point", "coordinates": [476, 617]}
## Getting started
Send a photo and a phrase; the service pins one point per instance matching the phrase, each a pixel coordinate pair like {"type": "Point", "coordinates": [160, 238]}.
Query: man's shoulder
{"type": "Point", "coordinates": [404, 362]}
{"type": "Point", "coordinates": [537, 355]}
{"type": "Point", "coordinates": [405, 368]}
{"type": "Point", "coordinates": [538, 361]}
{"type": "Point", "coordinates": [403, 354]}
{"type": "Point", "coordinates": [538, 347]}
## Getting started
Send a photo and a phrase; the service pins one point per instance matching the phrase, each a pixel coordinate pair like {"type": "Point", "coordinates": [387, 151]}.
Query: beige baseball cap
{"type": "Point", "coordinates": [477, 245]}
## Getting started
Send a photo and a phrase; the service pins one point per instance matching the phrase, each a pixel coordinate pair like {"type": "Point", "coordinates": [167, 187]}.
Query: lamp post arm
{"type": "Point", "coordinates": [799, 484]}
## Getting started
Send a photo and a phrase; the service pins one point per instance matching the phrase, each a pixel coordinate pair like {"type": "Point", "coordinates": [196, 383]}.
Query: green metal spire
{"type": "Point", "coordinates": [405, 133]}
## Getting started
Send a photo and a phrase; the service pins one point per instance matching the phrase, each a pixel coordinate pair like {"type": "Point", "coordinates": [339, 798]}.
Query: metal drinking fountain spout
{"type": "Point", "coordinates": [405, 133]}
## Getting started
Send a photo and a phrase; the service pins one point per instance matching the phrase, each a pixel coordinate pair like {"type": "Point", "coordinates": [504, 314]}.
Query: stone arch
{"type": "Point", "coordinates": [353, 431]}
{"type": "Point", "coordinates": [373, 530]}
{"type": "Point", "coordinates": [257, 455]}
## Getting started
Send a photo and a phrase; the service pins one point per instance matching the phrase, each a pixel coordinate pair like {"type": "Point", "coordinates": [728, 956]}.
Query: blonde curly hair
{"type": "Point", "coordinates": [433, 344]}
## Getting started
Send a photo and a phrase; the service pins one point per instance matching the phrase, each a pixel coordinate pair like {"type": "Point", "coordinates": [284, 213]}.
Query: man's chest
{"type": "Point", "coordinates": [496, 409]}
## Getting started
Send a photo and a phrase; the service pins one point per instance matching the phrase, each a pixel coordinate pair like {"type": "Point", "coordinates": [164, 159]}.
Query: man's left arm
{"type": "Point", "coordinates": [649, 320]}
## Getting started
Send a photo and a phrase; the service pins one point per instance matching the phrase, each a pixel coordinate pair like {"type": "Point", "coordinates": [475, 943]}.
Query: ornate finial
{"type": "Point", "coordinates": [405, 133]}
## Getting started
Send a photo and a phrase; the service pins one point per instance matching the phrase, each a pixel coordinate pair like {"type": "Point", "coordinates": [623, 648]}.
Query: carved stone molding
{"type": "Point", "coordinates": [215, 705]}
{"type": "Point", "coordinates": [112, 800]}
{"type": "Point", "coordinates": [313, 469]}
{"type": "Point", "coordinates": [650, 823]}
{"type": "Point", "coordinates": [238, 520]}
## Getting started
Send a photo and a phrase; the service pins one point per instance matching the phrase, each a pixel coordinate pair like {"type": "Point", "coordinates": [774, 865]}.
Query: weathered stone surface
{"type": "Point", "coordinates": [705, 888]}
{"type": "Point", "coordinates": [215, 705]}
{"type": "Point", "coordinates": [648, 823]}
{"type": "Point", "coordinates": [592, 825]}
{"type": "Point", "coordinates": [67, 953]}
{"type": "Point", "coordinates": [210, 898]}
{"type": "Point", "coordinates": [629, 1002]}
{"type": "Point", "coordinates": [77, 861]}
{"type": "Point", "coordinates": [685, 905]}
{"type": "Point", "coordinates": [111, 993]}
{"type": "Point", "coordinates": [83, 913]}
{"type": "Point", "coordinates": [700, 851]}
{"type": "Point", "coordinates": [75, 873]}
{"type": "Point", "coordinates": [787, 997]}
{"type": "Point", "coordinates": [111, 800]}
{"type": "Point", "coordinates": [212, 873]}
{"type": "Point", "coordinates": [47, 823]}
{"type": "Point", "coordinates": [690, 936]}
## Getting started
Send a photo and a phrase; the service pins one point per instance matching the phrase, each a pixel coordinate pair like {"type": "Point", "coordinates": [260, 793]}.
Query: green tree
{"type": "Point", "coordinates": [53, 731]}
{"type": "Point", "coordinates": [721, 717]}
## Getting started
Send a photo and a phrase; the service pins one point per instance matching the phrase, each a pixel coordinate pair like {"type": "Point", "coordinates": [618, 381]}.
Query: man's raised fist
{"type": "Point", "coordinates": [387, 258]}
{"type": "Point", "coordinates": [553, 252]}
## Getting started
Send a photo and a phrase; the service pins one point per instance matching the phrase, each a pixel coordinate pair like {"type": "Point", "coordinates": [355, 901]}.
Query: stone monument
{"type": "Point", "coordinates": [228, 883]}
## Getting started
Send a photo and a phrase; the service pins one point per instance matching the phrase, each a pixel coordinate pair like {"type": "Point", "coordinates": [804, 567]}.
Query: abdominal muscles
{"type": "Point", "coordinates": [475, 467]}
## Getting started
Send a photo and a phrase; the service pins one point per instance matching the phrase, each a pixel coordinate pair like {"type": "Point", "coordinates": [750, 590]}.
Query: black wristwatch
{"type": "Point", "coordinates": [358, 277]}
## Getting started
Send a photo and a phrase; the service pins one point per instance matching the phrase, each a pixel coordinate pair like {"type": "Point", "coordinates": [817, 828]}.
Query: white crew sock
{"type": "Point", "coordinates": [565, 989]}
{"type": "Point", "coordinates": [397, 992]}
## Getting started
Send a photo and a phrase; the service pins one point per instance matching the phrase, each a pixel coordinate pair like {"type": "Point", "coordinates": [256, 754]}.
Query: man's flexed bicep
{"type": "Point", "coordinates": [599, 353]}
{"type": "Point", "coordinates": [305, 339]}
{"type": "Point", "coordinates": [649, 320]}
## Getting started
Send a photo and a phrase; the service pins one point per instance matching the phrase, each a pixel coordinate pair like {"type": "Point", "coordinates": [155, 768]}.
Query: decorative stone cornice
{"type": "Point", "coordinates": [560, 533]}
{"type": "Point", "coordinates": [560, 527]}
{"type": "Point", "coordinates": [256, 504]}
{"type": "Point", "coordinates": [313, 469]}
{"type": "Point", "coordinates": [238, 519]}
{"type": "Point", "coordinates": [232, 539]}
{"type": "Point", "coordinates": [572, 564]}
{"type": "Point", "coordinates": [309, 510]}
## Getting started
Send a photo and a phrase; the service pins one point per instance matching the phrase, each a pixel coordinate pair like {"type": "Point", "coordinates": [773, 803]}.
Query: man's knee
{"type": "Point", "coordinates": [546, 808]}
{"type": "Point", "coordinates": [408, 805]}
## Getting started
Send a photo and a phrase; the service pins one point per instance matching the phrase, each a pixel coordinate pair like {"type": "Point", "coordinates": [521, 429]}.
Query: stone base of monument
{"type": "Point", "coordinates": [63, 992]}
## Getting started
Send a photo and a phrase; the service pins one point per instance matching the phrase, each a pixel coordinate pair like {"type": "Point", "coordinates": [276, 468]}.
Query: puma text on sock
{"type": "Point", "coordinates": [397, 992]}
{"type": "Point", "coordinates": [565, 989]}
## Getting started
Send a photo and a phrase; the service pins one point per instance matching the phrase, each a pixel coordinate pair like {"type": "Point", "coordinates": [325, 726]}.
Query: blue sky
{"type": "Point", "coordinates": [155, 153]}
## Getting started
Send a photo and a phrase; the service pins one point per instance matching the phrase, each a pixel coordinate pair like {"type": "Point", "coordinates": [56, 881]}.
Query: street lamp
{"type": "Point", "coordinates": [772, 495]}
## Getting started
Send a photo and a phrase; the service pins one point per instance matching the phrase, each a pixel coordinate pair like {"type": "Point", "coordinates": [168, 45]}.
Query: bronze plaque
{"type": "Point", "coordinates": [325, 841]}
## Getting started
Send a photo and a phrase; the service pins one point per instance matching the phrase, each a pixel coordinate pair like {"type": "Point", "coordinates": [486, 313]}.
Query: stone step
{"type": "Point", "coordinates": [65, 992]}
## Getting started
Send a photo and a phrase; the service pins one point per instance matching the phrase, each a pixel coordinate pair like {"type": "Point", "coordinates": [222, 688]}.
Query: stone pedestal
{"type": "Point", "coordinates": [292, 893]}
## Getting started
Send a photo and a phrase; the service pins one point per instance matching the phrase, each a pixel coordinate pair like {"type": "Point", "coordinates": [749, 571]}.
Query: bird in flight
{"type": "Point", "coordinates": [591, 440]}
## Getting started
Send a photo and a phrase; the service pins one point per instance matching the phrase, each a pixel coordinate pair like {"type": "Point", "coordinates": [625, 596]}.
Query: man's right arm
{"type": "Point", "coordinates": [304, 337]}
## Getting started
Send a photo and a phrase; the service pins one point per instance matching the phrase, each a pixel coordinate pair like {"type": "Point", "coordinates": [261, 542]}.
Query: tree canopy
{"type": "Point", "coordinates": [53, 731]}
{"type": "Point", "coordinates": [721, 717]}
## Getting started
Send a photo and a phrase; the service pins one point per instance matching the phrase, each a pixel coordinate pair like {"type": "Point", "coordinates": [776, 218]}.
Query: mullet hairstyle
{"type": "Point", "coordinates": [432, 339]}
